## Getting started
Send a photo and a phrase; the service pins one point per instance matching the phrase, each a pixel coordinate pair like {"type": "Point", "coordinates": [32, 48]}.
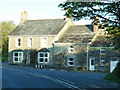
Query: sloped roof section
{"type": "Point", "coordinates": [101, 41]}
{"type": "Point", "coordinates": [77, 34]}
{"type": "Point", "coordinates": [40, 27]}
{"type": "Point", "coordinates": [44, 50]}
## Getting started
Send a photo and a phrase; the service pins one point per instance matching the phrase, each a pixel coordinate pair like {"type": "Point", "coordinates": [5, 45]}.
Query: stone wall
{"type": "Point", "coordinates": [24, 41]}
{"type": "Point", "coordinates": [36, 42]}
{"type": "Point", "coordinates": [61, 54]}
{"type": "Point", "coordinates": [110, 55]}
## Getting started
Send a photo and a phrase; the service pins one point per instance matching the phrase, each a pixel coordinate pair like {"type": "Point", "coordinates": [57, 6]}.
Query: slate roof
{"type": "Point", "coordinates": [44, 50]}
{"type": "Point", "coordinates": [39, 27]}
{"type": "Point", "coordinates": [101, 41]}
{"type": "Point", "coordinates": [77, 34]}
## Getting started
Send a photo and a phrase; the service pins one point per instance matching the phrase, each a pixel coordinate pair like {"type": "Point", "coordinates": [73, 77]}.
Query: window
{"type": "Point", "coordinates": [29, 42]}
{"type": "Point", "coordinates": [43, 57]}
{"type": "Point", "coordinates": [17, 56]}
{"type": "Point", "coordinates": [70, 61]}
{"type": "Point", "coordinates": [71, 49]}
{"type": "Point", "coordinates": [102, 62]}
{"type": "Point", "coordinates": [18, 42]}
{"type": "Point", "coordinates": [44, 41]}
{"type": "Point", "coordinates": [102, 51]}
{"type": "Point", "coordinates": [92, 62]}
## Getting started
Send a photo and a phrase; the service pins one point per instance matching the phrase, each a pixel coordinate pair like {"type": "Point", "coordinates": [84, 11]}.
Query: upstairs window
{"type": "Point", "coordinates": [71, 49]}
{"type": "Point", "coordinates": [18, 42]}
{"type": "Point", "coordinates": [29, 42]}
{"type": "Point", "coordinates": [44, 41]}
{"type": "Point", "coordinates": [102, 62]}
{"type": "Point", "coordinates": [102, 51]}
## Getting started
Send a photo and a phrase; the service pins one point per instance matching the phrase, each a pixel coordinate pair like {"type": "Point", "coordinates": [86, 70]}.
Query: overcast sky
{"type": "Point", "coordinates": [37, 9]}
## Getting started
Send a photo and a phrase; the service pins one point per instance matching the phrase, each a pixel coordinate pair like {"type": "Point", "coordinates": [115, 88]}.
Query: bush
{"type": "Point", "coordinates": [115, 75]}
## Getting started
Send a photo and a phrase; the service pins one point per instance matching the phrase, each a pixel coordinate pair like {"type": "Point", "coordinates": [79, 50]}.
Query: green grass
{"type": "Point", "coordinates": [115, 75]}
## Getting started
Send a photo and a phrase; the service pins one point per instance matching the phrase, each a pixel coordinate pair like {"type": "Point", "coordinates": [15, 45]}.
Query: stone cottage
{"type": "Point", "coordinates": [54, 42]}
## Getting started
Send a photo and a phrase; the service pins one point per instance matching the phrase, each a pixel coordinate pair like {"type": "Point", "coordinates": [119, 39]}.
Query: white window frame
{"type": "Point", "coordinates": [30, 42]}
{"type": "Point", "coordinates": [102, 62]}
{"type": "Point", "coordinates": [19, 57]}
{"type": "Point", "coordinates": [43, 43]}
{"type": "Point", "coordinates": [101, 51]}
{"type": "Point", "coordinates": [69, 61]}
{"type": "Point", "coordinates": [69, 49]}
{"type": "Point", "coordinates": [17, 42]}
{"type": "Point", "coordinates": [43, 57]}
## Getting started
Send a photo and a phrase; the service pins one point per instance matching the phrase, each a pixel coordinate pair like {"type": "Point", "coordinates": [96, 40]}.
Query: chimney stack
{"type": "Point", "coordinates": [95, 27]}
{"type": "Point", "coordinates": [24, 16]}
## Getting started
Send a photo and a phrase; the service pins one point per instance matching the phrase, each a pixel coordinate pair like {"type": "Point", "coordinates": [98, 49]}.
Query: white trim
{"type": "Point", "coordinates": [68, 61]}
{"type": "Point", "coordinates": [18, 56]}
{"type": "Point", "coordinates": [43, 57]}
{"type": "Point", "coordinates": [101, 51]}
{"type": "Point", "coordinates": [91, 64]}
{"type": "Point", "coordinates": [30, 41]}
{"type": "Point", "coordinates": [71, 50]}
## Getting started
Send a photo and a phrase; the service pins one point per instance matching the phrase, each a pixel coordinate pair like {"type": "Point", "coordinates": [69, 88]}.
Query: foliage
{"type": "Point", "coordinates": [6, 28]}
{"type": "Point", "coordinates": [33, 56]}
{"type": "Point", "coordinates": [115, 75]}
{"type": "Point", "coordinates": [105, 11]}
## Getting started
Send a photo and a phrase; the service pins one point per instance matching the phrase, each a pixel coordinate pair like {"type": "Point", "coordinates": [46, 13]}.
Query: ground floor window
{"type": "Point", "coordinates": [70, 62]}
{"type": "Point", "coordinates": [102, 62]}
{"type": "Point", "coordinates": [43, 57]}
{"type": "Point", "coordinates": [17, 56]}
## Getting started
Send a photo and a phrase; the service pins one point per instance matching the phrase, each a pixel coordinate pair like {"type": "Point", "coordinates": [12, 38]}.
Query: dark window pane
{"type": "Point", "coordinates": [71, 50]}
{"type": "Point", "coordinates": [46, 60]}
{"type": "Point", "coordinates": [71, 63]}
{"type": "Point", "coordinates": [41, 60]}
{"type": "Point", "coordinates": [16, 59]}
{"type": "Point", "coordinates": [46, 55]}
{"type": "Point", "coordinates": [19, 40]}
{"type": "Point", "coordinates": [20, 58]}
{"type": "Point", "coordinates": [92, 62]}
{"type": "Point", "coordinates": [20, 54]}
{"type": "Point", "coordinates": [41, 54]}
{"type": "Point", "coordinates": [71, 59]}
{"type": "Point", "coordinates": [15, 54]}
{"type": "Point", "coordinates": [19, 44]}
{"type": "Point", "coordinates": [71, 46]}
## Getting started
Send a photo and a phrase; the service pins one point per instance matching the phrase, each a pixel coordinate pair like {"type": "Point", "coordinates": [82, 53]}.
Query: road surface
{"type": "Point", "coordinates": [24, 77]}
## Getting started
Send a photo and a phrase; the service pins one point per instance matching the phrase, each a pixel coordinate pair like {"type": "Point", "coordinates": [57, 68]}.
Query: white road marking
{"type": "Point", "coordinates": [62, 81]}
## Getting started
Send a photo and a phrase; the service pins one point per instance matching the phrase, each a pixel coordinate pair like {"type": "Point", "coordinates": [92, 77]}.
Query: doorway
{"type": "Point", "coordinates": [92, 64]}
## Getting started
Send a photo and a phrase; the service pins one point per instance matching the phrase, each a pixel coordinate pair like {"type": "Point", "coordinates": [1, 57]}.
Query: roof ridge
{"type": "Point", "coordinates": [80, 25]}
{"type": "Point", "coordinates": [46, 19]}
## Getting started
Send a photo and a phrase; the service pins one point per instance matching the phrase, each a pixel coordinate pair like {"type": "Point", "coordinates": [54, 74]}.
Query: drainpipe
{"type": "Point", "coordinates": [28, 57]}
{"type": "Point", "coordinates": [88, 56]}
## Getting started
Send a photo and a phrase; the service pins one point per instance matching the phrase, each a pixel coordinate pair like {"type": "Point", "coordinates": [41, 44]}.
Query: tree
{"type": "Point", "coordinates": [6, 28]}
{"type": "Point", "coordinates": [107, 12]}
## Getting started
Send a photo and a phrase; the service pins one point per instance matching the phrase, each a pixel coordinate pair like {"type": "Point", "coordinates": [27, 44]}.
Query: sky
{"type": "Point", "coordinates": [37, 9]}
